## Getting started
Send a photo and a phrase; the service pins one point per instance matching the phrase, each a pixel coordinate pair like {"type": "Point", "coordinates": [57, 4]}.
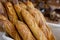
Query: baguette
{"type": "Point", "coordinates": [24, 31]}
{"type": "Point", "coordinates": [40, 21]}
{"type": "Point", "coordinates": [17, 8]}
{"type": "Point", "coordinates": [36, 16]}
{"type": "Point", "coordinates": [20, 26]}
{"type": "Point", "coordinates": [37, 32]}
{"type": "Point", "coordinates": [9, 28]}
{"type": "Point", "coordinates": [11, 12]}
{"type": "Point", "coordinates": [48, 30]}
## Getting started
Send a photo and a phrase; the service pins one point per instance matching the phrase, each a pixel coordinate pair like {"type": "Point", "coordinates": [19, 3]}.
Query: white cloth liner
{"type": "Point", "coordinates": [5, 37]}
{"type": "Point", "coordinates": [55, 29]}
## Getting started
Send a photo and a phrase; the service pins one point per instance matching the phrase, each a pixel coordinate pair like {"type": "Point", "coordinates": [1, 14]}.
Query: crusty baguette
{"type": "Point", "coordinates": [30, 5]}
{"type": "Point", "coordinates": [17, 8]}
{"type": "Point", "coordinates": [41, 15]}
{"type": "Point", "coordinates": [9, 28]}
{"type": "Point", "coordinates": [33, 25]}
{"type": "Point", "coordinates": [24, 31]}
{"type": "Point", "coordinates": [36, 16]}
{"type": "Point", "coordinates": [33, 12]}
{"type": "Point", "coordinates": [2, 10]}
{"type": "Point", "coordinates": [48, 30]}
{"type": "Point", "coordinates": [20, 26]}
{"type": "Point", "coordinates": [40, 21]}
{"type": "Point", "coordinates": [11, 12]}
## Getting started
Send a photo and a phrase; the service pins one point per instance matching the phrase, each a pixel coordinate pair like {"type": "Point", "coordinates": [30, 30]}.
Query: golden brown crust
{"type": "Point", "coordinates": [11, 12]}
{"type": "Point", "coordinates": [40, 21]}
{"type": "Point", "coordinates": [33, 18]}
{"type": "Point", "coordinates": [45, 27]}
{"type": "Point", "coordinates": [33, 25]}
{"type": "Point", "coordinates": [9, 28]}
{"type": "Point", "coordinates": [18, 10]}
{"type": "Point", "coordinates": [35, 15]}
{"type": "Point", "coordinates": [21, 27]}
{"type": "Point", "coordinates": [24, 31]}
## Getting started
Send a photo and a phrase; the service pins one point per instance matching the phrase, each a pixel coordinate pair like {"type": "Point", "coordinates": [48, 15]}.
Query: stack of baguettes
{"type": "Point", "coordinates": [22, 21]}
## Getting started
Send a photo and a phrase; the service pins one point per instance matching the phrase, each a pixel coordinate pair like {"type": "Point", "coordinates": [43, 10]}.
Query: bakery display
{"type": "Point", "coordinates": [24, 21]}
